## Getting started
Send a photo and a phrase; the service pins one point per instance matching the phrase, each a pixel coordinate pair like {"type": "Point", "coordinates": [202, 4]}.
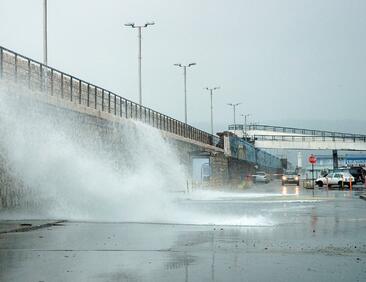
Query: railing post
{"type": "Point", "coordinates": [120, 106]}
{"type": "Point", "coordinates": [51, 82]}
{"type": "Point", "coordinates": [40, 78]}
{"type": "Point", "coordinates": [87, 95]}
{"type": "Point", "coordinates": [102, 100]}
{"type": "Point", "coordinates": [80, 91]}
{"type": "Point", "coordinates": [109, 102]}
{"type": "Point", "coordinates": [95, 97]}
{"type": "Point", "coordinates": [71, 81]}
{"type": "Point", "coordinates": [126, 109]}
{"type": "Point", "coordinates": [29, 74]}
{"type": "Point", "coordinates": [16, 67]}
{"type": "Point", "coordinates": [115, 104]}
{"type": "Point", "coordinates": [62, 85]}
{"type": "Point", "coordinates": [1, 62]}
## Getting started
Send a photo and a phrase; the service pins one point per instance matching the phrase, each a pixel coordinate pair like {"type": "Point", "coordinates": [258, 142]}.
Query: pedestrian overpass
{"type": "Point", "coordinates": [279, 137]}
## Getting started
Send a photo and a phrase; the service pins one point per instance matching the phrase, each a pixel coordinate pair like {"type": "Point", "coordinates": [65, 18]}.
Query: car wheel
{"type": "Point", "coordinates": [320, 183]}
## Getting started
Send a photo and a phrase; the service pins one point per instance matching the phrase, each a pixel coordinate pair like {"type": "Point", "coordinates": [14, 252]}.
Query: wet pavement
{"type": "Point", "coordinates": [286, 234]}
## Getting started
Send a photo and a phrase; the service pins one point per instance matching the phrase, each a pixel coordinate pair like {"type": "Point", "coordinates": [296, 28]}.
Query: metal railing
{"type": "Point", "coordinates": [40, 77]}
{"type": "Point", "coordinates": [307, 138]}
{"type": "Point", "coordinates": [294, 130]}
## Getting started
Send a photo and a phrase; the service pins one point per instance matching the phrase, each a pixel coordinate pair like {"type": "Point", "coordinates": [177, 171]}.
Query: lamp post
{"type": "Point", "coordinates": [211, 92]}
{"type": "Point", "coordinates": [185, 86]}
{"type": "Point", "coordinates": [245, 123]}
{"type": "Point", "coordinates": [139, 27]}
{"type": "Point", "coordinates": [234, 108]}
{"type": "Point", "coordinates": [45, 32]}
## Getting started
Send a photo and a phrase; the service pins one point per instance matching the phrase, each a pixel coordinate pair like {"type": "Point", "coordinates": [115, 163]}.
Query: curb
{"type": "Point", "coordinates": [26, 228]}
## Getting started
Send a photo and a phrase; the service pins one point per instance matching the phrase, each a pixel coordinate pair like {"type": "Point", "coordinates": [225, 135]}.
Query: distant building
{"type": "Point", "coordinates": [325, 162]}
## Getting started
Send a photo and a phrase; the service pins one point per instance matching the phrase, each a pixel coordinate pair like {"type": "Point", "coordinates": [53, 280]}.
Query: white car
{"type": "Point", "coordinates": [336, 178]}
{"type": "Point", "coordinates": [261, 176]}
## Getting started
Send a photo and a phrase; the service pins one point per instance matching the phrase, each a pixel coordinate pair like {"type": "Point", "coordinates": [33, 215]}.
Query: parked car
{"type": "Point", "coordinates": [291, 177]}
{"type": "Point", "coordinates": [336, 178]}
{"type": "Point", "coordinates": [261, 176]}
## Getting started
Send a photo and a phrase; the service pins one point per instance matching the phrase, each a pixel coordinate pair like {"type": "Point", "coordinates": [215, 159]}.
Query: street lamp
{"type": "Point", "coordinates": [211, 92]}
{"type": "Point", "coordinates": [234, 108]}
{"type": "Point", "coordinates": [185, 86]}
{"type": "Point", "coordinates": [139, 27]}
{"type": "Point", "coordinates": [45, 32]}
{"type": "Point", "coordinates": [245, 123]}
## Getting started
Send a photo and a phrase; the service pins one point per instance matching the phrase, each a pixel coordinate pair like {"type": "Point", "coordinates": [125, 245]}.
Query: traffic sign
{"type": "Point", "coordinates": [312, 159]}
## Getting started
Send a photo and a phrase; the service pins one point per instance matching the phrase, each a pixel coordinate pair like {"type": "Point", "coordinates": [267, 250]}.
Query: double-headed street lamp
{"type": "Point", "coordinates": [185, 86]}
{"type": "Point", "coordinates": [234, 108]}
{"type": "Point", "coordinates": [211, 92]}
{"type": "Point", "coordinates": [139, 27]}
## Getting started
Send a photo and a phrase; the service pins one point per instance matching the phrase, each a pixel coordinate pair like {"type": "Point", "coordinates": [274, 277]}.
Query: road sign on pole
{"type": "Point", "coordinates": [312, 160]}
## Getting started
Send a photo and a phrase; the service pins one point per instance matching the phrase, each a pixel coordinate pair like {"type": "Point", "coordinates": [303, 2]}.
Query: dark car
{"type": "Point", "coordinates": [291, 178]}
{"type": "Point", "coordinates": [358, 172]}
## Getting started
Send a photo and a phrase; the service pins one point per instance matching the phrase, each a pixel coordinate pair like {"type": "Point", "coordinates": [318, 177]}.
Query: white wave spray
{"type": "Point", "coordinates": [77, 168]}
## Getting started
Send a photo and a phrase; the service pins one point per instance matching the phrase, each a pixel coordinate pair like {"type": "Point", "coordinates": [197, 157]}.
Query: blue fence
{"type": "Point", "coordinates": [246, 151]}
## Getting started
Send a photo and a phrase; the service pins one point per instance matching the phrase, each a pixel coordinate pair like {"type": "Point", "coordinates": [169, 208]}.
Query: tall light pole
{"type": "Point", "coordinates": [185, 86]}
{"type": "Point", "coordinates": [211, 92]}
{"type": "Point", "coordinates": [245, 123]}
{"type": "Point", "coordinates": [234, 108]}
{"type": "Point", "coordinates": [139, 27]}
{"type": "Point", "coordinates": [45, 32]}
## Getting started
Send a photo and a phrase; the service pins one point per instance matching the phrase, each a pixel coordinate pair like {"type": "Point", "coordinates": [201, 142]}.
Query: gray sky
{"type": "Point", "coordinates": [298, 63]}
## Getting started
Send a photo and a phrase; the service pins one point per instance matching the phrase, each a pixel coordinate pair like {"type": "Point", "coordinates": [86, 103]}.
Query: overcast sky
{"type": "Point", "coordinates": [297, 63]}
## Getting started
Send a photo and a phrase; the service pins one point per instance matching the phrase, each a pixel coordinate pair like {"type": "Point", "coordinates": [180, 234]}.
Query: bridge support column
{"type": "Point", "coordinates": [335, 159]}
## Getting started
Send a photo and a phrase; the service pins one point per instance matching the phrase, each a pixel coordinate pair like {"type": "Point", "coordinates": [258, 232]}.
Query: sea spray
{"type": "Point", "coordinates": [83, 169]}
{"type": "Point", "coordinates": [61, 164]}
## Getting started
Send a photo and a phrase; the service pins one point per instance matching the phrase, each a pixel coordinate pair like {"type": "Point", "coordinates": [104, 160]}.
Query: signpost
{"type": "Point", "coordinates": [312, 160]}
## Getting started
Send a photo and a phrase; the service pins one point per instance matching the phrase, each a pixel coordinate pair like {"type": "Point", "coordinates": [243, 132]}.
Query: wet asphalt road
{"type": "Point", "coordinates": [298, 238]}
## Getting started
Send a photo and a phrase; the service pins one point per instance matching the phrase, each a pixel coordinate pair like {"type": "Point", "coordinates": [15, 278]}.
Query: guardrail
{"type": "Point", "coordinates": [304, 138]}
{"type": "Point", "coordinates": [292, 130]}
{"type": "Point", "coordinates": [40, 77]}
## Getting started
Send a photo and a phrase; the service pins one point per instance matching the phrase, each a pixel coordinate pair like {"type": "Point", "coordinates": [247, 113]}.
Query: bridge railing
{"type": "Point", "coordinates": [307, 138]}
{"type": "Point", "coordinates": [39, 77]}
{"type": "Point", "coordinates": [292, 130]}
